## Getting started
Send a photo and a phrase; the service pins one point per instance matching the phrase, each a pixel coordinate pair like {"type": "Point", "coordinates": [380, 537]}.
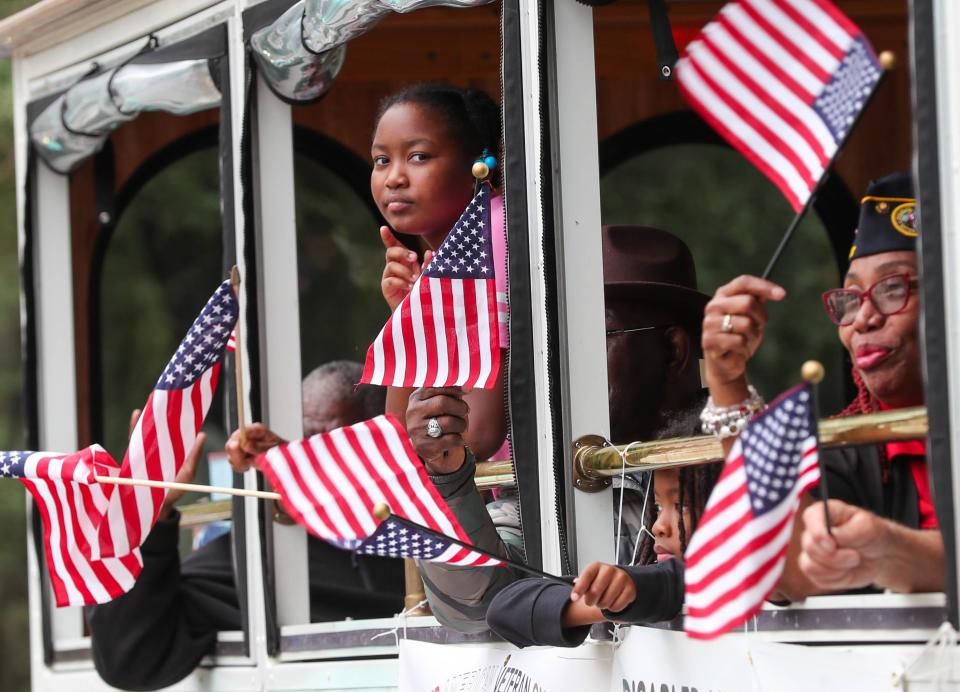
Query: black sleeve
{"type": "Point", "coordinates": [156, 634]}
{"type": "Point", "coordinates": [529, 612]}
{"type": "Point", "coordinates": [659, 593]}
{"type": "Point", "coordinates": [843, 477]}
{"type": "Point", "coordinates": [856, 476]}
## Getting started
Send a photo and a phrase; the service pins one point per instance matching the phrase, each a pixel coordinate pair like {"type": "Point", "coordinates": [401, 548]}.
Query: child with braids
{"type": "Point", "coordinates": [536, 612]}
{"type": "Point", "coordinates": [425, 142]}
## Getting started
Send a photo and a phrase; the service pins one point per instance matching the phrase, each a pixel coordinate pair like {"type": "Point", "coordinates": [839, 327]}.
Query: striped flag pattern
{"type": "Point", "coordinates": [445, 332]}
{"type": "Point", "coordinates": [783, 82]}
{"type": "Point", "coordinates": [72, 505]}
{"type": "Point", "coordinates": [168, 426]}
{"type": "Point", "coordinates": [330, 483]}
{"type": "Point", "coordinates": [739, 549]}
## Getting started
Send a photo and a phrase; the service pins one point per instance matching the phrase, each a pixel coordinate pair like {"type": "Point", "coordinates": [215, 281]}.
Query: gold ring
{"type": "Point", "coordinates": [727, 325]}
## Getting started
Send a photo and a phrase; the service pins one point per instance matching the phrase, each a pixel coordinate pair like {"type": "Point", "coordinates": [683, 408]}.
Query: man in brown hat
{"type": "Point", "coordinates": [653, 315]}
{"type": "Point", "coordinates": [653, 312]}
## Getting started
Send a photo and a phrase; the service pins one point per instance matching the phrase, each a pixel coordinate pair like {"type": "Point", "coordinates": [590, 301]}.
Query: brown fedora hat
{"type": "Point", "coordinates": [652, 266]}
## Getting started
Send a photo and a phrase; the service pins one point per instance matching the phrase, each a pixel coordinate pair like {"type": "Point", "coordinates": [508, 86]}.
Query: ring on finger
{"type": "Point", "coordinates": [433, 428]}
{"type": "Point", "coordinates": [727, 325]}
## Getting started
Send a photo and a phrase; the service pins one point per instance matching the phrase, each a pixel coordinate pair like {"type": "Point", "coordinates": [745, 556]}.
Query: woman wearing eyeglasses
{"type": "Point", "coordinates": [885, 531]}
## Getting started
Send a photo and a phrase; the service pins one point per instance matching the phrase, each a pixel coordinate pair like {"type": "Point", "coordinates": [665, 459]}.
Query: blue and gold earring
{"type": "Point", "coordinates": [482, 168]}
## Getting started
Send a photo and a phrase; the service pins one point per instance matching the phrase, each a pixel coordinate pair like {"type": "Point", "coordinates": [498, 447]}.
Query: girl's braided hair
{"type": "Point", "coordinates": [472, 116]}
{"type": "Point", "coordinates": [696, 483]}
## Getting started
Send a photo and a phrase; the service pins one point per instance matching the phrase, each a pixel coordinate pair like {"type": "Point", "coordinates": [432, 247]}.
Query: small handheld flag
{"type": "Point", "coordinates": [342, 485]}
{"type": "Point", "coordinates": [738, 551]}
{"type": "Point", "coordinates": [445, 331]}
{"type": "Point", "coordinates": [330, 483]}
{"type": "Point", "coordinates": [92, 529]}
{"type": "Point", "coordinates": [783, 81]}
{"type": "Point", "coordinates": [168, 427]}
{"type": "Point", "coordinates": [399, 537]}
{"type": "Point", "coordinates": [72, 505]}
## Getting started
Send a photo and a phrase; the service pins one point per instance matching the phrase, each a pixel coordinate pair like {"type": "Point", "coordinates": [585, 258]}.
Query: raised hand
{"type": "Point", "coordinates": [733, 325]}
{"type": "Point", "coordinates": [401, 270]}
{"type": "Point", "coordinates": [442, 454]}
{"type": "Point", "coordinates": [258, 439]}
{"type": "Point", "coordinates": [852, 555]}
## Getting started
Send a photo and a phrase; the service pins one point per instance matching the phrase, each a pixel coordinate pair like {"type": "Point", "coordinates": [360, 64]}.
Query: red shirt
{"type": "Point", "coordinates": [914, 452]}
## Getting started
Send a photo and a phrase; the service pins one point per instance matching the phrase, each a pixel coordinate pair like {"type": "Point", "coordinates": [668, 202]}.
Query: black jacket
{"type": "Point", "coordinates": [857, 475]}
{"type": "Point", "coordinates": [529, 612]}
{"type": "Point", "coordinates": [156, 634]}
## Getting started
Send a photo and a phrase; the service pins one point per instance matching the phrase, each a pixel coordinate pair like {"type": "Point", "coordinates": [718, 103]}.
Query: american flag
{"type": "Point", "coordinates": [168, 427]}
{"type": "Point", "coordinates": [445, 332]}
{"type": "Point", "coordinates": [738, 551]}
{"type": "Point", "coordinates": [331, 482]}
{"type": "Point", "coordinates": [783, 82]}
{"type": "Point", "coordinates": [397, 537]}
{"type": "Point", "coordinates": [72, 505]}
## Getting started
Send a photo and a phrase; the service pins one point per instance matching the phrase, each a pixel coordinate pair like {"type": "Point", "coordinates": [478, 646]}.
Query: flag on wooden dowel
{"type": "Point", "coordinates": [72, 504]}
{"type": "Point", "coordinates": [445, 331]}
{"type": "Point", "coordinates": [738, 551]}
{"type": "Point", "coordinates": [331, 483]}
{"type": "Point", "coordinates": [783, 81]}
{"type": "Point", "coordinates": [168, 426]}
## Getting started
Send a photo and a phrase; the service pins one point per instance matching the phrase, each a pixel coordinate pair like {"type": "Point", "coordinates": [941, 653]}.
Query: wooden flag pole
{"type": "Point", "coordinates": [188, 487]}
{"type": "Point", "coordinates": [238, 358]}
{"type": "Point", "coordinates": [887, 61]}
{"type": "Point", "coordinates": [812, 371]}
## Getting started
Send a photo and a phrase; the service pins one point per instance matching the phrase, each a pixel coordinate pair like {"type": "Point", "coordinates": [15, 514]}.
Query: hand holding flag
{"type": "Point", "coordinates": [445, 331]}
{"type": "Point", "coordinates": [739, 549]}
{"type": "Point", "coordinates": [331, 483]}
{"type": "Point", "coordinates": [93, 531]}
{"type": "Point", "coordinates": [342, 485]}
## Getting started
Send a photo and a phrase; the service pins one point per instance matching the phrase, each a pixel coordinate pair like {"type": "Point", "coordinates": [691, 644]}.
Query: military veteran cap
{"type": "Point", "coordinates": [888, 217]}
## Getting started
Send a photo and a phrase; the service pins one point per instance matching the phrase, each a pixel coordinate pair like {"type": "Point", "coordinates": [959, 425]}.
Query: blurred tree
{"type": "Point", "coordinates": [339, 265]}
{"type": "Point", "coordinates": [159, 268]}
{"type": "Point", "coordinates": [14, 639]}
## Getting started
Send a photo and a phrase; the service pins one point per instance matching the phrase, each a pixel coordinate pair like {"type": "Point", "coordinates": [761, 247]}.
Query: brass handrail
{"type": "Point", "coordinates": [494, 474]}
{"type": "Point", "coordinates": [200, 513]}
{"type": "Point", "coordinates": [596, 462]}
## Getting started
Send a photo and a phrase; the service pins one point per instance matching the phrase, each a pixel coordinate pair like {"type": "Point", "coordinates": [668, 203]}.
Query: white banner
{"type": "Point", "coordinates": [651, 660]}
{"type": "Point", "coordinates": [648, 660]}
{"type": "Point", "coordinates": [437, 668]}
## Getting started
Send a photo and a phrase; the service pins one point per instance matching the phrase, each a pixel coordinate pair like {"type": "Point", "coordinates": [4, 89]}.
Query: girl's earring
{"type": "Point", "coordinates": [483, 166]}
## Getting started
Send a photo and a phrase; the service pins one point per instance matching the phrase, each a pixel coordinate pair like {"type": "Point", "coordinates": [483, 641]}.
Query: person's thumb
{"type": "Point", "coordinates": [388, 238]}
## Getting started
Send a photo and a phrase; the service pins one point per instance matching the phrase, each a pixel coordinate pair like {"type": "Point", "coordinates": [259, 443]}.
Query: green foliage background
{"type": "Point", "coordinates": [15, 671]}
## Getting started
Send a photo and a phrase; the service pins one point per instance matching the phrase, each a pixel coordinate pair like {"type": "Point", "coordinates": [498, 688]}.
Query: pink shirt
{"type": "Point", "coordinates": [499, 236]}
{"type": "Point", "coordinates": [498, 220]}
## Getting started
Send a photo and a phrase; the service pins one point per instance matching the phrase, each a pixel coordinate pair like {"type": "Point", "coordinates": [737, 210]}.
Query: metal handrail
{"type": "Point", "coordinates": [595, 461]}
